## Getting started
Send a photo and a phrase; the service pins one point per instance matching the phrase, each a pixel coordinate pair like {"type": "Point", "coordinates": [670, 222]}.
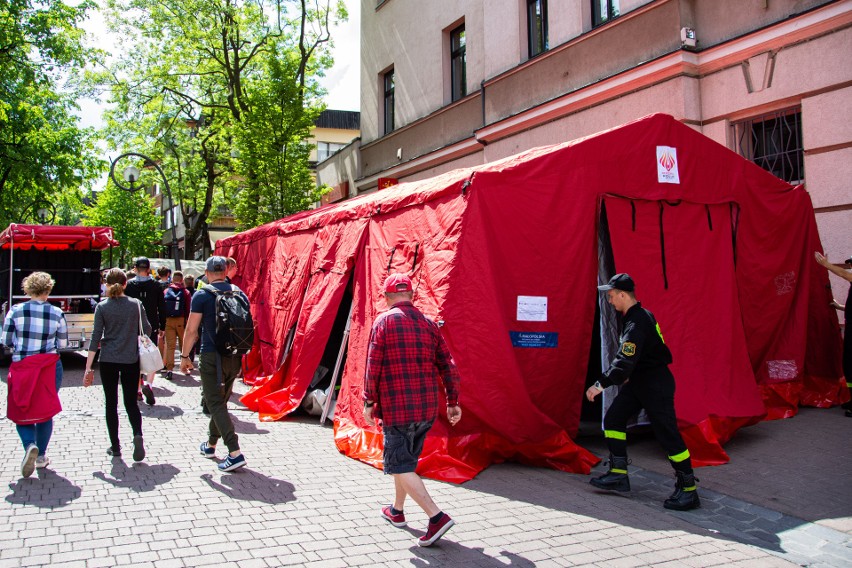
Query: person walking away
{"type": "Point", "coordinates": [231, 270]}
{"type": "Point", "coordinates": [218, 371]}
{"type": "Point", "coordinates": [117, 321]}
{"type": "Point", "coordinates": [843, 271]}
{"type": "Point", "coordinates": [149, 292]}
{"type": "Point", "coordinates": [641, 367]}
{"type": "Point", "coordinates": [35, 330]}
{"type": "Point", "coordinates": [177, 300]}
{"type": "Point", "coordinates": [406, 358]}
{"type": "Point", "coordinates": [164, 277]}
{"type": "Point", "coordinates": [189, 284]}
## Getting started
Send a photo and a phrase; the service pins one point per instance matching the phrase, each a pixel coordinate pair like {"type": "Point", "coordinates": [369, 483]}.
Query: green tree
{"type": "Point", "coordinates": [223, 93]}
{"type": "Point", "coordinates": [132, 216]}
{"type": "Point", "coordinates": [273, 154]}
{"type": "Point", "coordinates": [43, 151]}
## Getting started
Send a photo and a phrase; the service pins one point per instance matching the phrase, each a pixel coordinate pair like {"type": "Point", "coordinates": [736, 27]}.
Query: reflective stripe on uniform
{"type": "Point", "coordinates": [689, 488]}
{"type": "Point", "coordinates": [615, 434]}
{"type": "Point", "coordinates": [684, 455]}
{"type": "Point", "coordinates": [624, 471]}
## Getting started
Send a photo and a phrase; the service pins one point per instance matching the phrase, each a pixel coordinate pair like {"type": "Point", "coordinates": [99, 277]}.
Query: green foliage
{"type": "Point", "coordinates": [273, 157]}
{"type": "Point", "coordinates": [132, 216]}
{"type": "Point", "coordinates": [222, 93]}
{"type": "Point", "coordinates": [43, 151]}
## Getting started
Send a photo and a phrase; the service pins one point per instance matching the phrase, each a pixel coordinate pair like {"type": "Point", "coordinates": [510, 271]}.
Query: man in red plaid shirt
{"type": "Point", "coordinates": [406, 359]}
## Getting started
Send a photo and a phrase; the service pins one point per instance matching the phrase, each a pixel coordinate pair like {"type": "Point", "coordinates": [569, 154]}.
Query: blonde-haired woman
{"type": "Point", "coordinates": [35, 329]}
{"type": "Point", "coordinates": [116, 329]}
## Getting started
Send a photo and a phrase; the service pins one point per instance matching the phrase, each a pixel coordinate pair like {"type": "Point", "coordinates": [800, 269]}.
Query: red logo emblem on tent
{"type": "Point", "coordinates": [667, 161]}
{"type": "Point", "coordinates": [667, 165]}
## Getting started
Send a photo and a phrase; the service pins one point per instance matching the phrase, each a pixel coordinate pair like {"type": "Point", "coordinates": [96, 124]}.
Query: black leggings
{"type": "Point", "coordinates": [128, 375]}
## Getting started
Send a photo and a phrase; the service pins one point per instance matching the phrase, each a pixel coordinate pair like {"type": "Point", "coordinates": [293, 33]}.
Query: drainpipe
{"type": "Point", "coordinates": [482, 90]}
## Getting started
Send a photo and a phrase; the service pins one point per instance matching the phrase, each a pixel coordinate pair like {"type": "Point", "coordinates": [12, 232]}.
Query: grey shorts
{"type": "Point", "coordinates": [403, 445]}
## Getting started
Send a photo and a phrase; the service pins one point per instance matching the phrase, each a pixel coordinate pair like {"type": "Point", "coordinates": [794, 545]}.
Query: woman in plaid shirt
{"type": "Point", "coordinates": [32, 328]}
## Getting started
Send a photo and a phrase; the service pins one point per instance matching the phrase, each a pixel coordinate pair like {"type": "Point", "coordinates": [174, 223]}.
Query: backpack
{"type": "Point", "coordinates": [234, 333]}
{"type": "Point", "coordinates": [174, 302]}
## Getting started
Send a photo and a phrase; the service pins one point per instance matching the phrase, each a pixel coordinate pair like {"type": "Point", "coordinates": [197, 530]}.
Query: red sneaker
{"type": "Point", "coordinates": [436, 531]}
{"type": "Point", "coordinates": [396, 520]}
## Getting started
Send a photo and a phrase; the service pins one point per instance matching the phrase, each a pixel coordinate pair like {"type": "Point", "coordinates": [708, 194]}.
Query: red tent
{"type": "Point", "coordinates": [507, 256]}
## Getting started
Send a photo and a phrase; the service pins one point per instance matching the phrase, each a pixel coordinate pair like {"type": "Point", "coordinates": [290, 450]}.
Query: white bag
{"type": "Point", "coordinates": [150, 360]}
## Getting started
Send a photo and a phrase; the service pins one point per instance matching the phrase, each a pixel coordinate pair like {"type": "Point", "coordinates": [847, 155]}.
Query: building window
{"type": "Point", "coordinates": [170, 214]}
{"type": "Point", "coordinates": [326, 149]}
{"type": "Point", "coordinates": [603, 11]}
{"type": "Point", "coordinates": [774, 142]}
{"type": "Point", "coordinates": [458, 71]}
{"type": "Point", "coordinates": [388, 114]}
{"type": "Point", "coordinates": [537, 26]}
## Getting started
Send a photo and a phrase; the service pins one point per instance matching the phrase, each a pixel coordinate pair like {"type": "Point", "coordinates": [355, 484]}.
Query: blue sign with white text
{"type": "Point", "coordinates": [535, 339]}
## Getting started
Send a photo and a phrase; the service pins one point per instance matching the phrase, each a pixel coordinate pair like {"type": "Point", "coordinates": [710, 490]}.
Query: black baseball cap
{"type": "Point", "coordinates": [142, 262]}
{"type": "Point", "coordinates": [620, 281]}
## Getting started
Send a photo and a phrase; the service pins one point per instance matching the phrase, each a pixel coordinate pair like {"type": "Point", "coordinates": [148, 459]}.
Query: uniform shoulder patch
{"type": "Point", "coordinates": [628, 348]}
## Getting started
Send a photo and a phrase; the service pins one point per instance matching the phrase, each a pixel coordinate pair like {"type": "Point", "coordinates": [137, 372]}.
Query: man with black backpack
{"type": "Point", "coordinates": [223, 312]}
{"type": "Point", "coordinates": [177, 300]}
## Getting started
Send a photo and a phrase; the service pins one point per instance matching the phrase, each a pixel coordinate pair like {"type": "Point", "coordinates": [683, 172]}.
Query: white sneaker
{"type": "Point", "coordinates": [42, 462]}
{"type": "Point", "coordinates": [28, 465]}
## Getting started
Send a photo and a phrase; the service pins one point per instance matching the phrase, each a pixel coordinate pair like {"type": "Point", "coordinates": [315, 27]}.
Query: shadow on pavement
{"type": "Point", "coordinates": [161, 411]}
{"type": "Point", "coordinates": [182, 380]}
{"type": "Point", "coordinates": [160, 392]}
{"type": "Point", "coordinates": [572, 493]}
{"type": "Point", "coordinates": [449, 553]}
{"type": "Point", "coordinates": [48, 490]}
{"type": "Point", "coordinates": [250, 485]}
{"type": "Point", "coordinates": [792, 466]}
{"type": "Point", "coordinates": [139, 477]}
{"type": "Point", "coordinates": [241, 427]}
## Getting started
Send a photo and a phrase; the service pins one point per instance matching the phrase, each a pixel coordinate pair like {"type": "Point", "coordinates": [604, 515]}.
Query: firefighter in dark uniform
{"type": "Point", "coordinates": [641, 367]}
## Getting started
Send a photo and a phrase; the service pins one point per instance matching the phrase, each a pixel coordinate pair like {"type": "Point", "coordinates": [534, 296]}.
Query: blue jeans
{"type": "Point", "coordinates": [39, 434]}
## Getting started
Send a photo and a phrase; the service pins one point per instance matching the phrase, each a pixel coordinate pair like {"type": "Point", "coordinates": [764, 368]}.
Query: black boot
{"type": "Point", "coordinates": [685, 496]}
{"type": "Point", "coordinates": [616, 478]}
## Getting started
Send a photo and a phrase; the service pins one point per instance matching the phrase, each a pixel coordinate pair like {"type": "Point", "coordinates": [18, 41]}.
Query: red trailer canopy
{"type": "Point", "coordinates": [55, 237]}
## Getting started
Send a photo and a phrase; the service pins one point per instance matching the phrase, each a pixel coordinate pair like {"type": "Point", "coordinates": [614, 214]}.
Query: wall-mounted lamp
{"type": "Point", "coordinates": [687, 37]}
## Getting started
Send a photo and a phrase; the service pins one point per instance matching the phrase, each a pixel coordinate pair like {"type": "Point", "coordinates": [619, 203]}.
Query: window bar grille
{"type": "Point", "coordinates": [774, 142]}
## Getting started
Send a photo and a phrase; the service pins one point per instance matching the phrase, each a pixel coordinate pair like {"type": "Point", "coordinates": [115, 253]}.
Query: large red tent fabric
{"type": "Point", "coordinates": [721, 251]}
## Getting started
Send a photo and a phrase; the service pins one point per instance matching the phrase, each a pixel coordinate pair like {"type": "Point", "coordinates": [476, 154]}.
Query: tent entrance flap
{"type": "Point", "coordinates": [607, 319]}
{"type": "Point", "coordinates": [321, 395]}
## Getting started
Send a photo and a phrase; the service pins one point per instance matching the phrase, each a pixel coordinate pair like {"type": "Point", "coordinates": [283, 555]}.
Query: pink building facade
{"type": "Point", "coordinates": [454, 83]}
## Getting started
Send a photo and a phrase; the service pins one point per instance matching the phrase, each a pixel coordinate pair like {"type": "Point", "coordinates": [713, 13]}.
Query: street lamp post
{"type": "Point", "coordinates": [43, 212]}
{"type": "Point", "coordinates": [131, 175]}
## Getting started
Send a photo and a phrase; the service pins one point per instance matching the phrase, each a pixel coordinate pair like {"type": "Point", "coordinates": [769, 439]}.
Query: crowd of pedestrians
{"type": "Point", "coordinates": [133, 303]}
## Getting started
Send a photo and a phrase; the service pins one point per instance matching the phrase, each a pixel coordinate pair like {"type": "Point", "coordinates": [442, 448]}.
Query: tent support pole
{"type": "Point", "coordinates": [343, 344]}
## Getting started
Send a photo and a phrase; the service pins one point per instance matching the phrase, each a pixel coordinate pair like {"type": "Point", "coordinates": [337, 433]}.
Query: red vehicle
{"type": "Point", "coordinates": [71, 255]}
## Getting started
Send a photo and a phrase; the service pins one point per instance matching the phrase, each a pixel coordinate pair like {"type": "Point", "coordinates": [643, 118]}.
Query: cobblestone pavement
{"type": "Point", "coordinates": [300, 502]}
